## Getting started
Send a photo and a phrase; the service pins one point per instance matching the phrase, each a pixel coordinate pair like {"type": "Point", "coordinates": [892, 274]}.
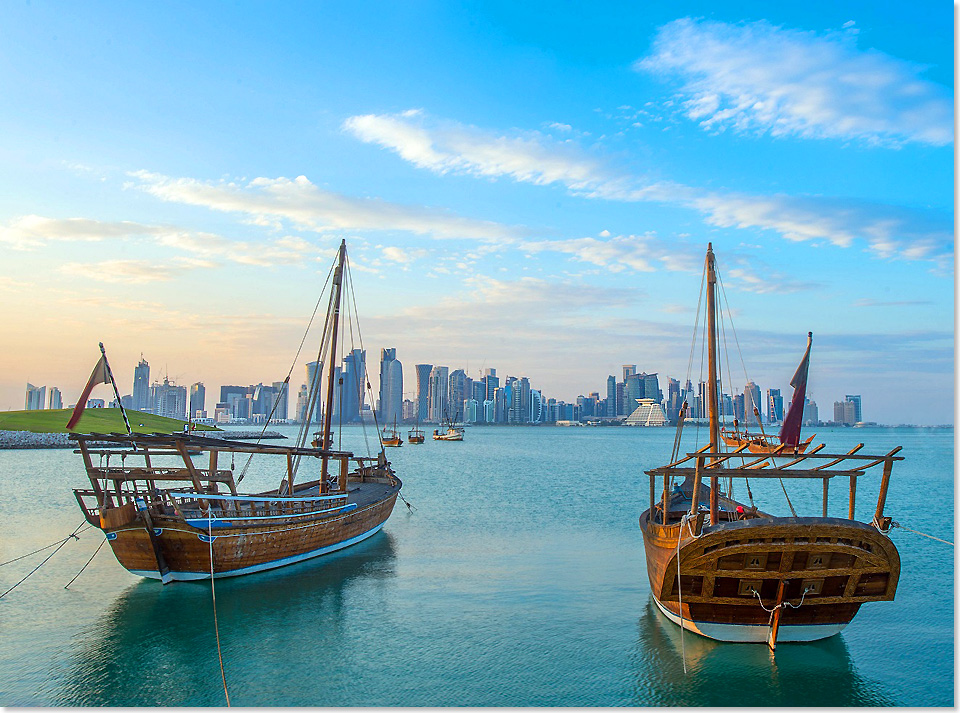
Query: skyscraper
{"type": "Point", "coordinates": [423, 390]}
{"type": "Point", "coordinates": [629, 370]}
{"type": "Point", "coordinates": [303, 402]}
{"type": "Point", "coordinates": [751, 400]}
{"type": "Point", "coordinates": [457, 393]}
{"type": "Point", "coordinates": [438, 393]}
{"type": "Point", "coordinates": [55, 400]}
{"type": "Point", "coordinates": [141, 386]}
{"type": "Point", "coordinates": [774, 406]}
{"type": "Point", "coordinates": [281, 400]}
{"type": "Point", "coordinates": [35, 397]}
{"type": "Point", "coordinates": [169, 400]}
{"type": "Point", "coordinates": [611, 404]}
{"type": "Point", "coordinates": [198, 400]}
{"type": "Point", "coordinates": [354, 391]}
{"type": "Point", "coordinates": [857, 413]}
{"type": "Point", "coordinates": [391, 386]}
{"type": "Point", "coordinates": [314, 378]}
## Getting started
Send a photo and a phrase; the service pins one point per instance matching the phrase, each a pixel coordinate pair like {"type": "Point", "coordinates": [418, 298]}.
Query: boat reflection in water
{"type": "Point", "coordinates": [728, 674]}
{"type": "Point", "coordinates": [157, 646]}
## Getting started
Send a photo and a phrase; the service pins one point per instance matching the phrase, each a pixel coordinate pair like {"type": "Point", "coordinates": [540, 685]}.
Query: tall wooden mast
{"type": "Point", "coordinates": [326, 438]}
{"type": "Point", "coordinates": [712, 399]}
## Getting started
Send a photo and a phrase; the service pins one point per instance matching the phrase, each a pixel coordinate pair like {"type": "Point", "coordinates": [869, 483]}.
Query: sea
{"type": "Point", "coordinates": [515, 577]}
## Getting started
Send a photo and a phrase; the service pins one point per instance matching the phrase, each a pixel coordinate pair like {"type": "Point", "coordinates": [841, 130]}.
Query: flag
{"type": "Point", "coordinates": [100, 375]}
{"type": "Point", "coordinates": [790, 431]}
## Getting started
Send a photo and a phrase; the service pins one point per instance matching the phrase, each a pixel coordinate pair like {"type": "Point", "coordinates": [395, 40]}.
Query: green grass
{"type": "Point", "coordinates": [93, 420]}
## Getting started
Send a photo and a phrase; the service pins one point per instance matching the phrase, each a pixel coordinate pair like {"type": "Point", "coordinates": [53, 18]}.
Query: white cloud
{"type": "Point", "coordinates": [33, 231]}
{"type": "Point", "coordinates": [758, 78]}
{"type": "Point", "coordinates": [888, 231]}
{"type": "Point", "coordinates": [404, 256]}
{"type": "Point", "coordinates": [121, 271]}
{"type": "Point", "coordinates": [642, 253]}
{"type": "Point", "coordinates": [308, 207]}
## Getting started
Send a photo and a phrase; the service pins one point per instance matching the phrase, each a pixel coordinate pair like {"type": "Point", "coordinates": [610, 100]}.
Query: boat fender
{"type": "Point", "coordinates": [111, 535]}
{"type": "Point", "coordinates": [141, 504]}
{"type": "Point", "coordinates": [157, 531]}
{"type": "Point", "coordinates": [207, 538]}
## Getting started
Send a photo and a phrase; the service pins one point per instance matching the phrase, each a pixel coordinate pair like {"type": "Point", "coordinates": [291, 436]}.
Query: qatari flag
{"type": "Point", "coordinates": [790, 431]}
{"type": "Point", "coordinates": [100, 375]}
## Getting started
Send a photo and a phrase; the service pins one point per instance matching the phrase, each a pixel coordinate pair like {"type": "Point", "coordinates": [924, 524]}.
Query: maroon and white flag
{"type": "Point", "coordinates": [790, 431]}
{"type": "Point", "coordinates": [100, 375]}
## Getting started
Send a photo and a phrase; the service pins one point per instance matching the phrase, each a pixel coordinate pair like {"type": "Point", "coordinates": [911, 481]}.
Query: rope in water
{"type": "Point", "coordinates": [213, 592]}
{"type": "Point", "coordinates": [102, 542]}
{"type": "Point", "coordinates": [922, 534]}
{"type": "Point", "coordinates": [46, 559]}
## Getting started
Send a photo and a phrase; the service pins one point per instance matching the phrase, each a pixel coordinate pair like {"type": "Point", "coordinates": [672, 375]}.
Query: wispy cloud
{"type": "Point", "coordinates": [445, 146]}
{"type": "Point", "coordinates": [32, 231]}
{"type": "Point", "coordinates": [121, 271]}
{"type": "Point", "coordinates": [641, 253]}
{"type": "Point", "coordinates": [308, 207]}
{"type": "Point", "coordinates": [761, 78]}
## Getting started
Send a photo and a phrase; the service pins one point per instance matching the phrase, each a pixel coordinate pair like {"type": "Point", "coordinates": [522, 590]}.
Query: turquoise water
{"type": "Point", "coordinates": [519, 580]}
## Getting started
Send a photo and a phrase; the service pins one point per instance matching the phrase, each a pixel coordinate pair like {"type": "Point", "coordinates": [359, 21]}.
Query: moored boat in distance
{"type": "Point", "coordinates": [415, 435]}
{"type": "Point", "coordinates": [732, 572]}
{"type": "Point", "coordinates": [391, 437]}
{"type": "Point", "coordinates": [169, 518]}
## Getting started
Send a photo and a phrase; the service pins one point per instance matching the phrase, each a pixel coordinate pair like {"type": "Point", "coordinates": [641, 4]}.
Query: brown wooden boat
{"type": "Point", "coordinates": [760, 443]}
{"type": "Point", "coordinates": [391, 437]}
{"type": "Point", "coordinates": [169, 518]}
{"type": "Point", "coordinates": [415, 435]}
{"type": "Point", "coordinates": [732, 572]}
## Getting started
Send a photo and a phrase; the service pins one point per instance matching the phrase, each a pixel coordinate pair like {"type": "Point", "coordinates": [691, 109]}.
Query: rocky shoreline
{"type": "Point", "coordinates": [28, 439]}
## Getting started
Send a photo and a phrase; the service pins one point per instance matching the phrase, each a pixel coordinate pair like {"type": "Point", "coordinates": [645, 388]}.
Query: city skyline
{"type": "Point", "coordinates": [530, 188]}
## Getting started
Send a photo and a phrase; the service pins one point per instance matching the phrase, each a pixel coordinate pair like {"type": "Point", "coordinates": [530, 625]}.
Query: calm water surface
{"type": "Point", "coordinates": [518, 580]}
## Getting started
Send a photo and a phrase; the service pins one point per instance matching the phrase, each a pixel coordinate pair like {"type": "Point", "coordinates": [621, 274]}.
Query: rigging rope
{"type": "Point", "coordinates": [213, 592]}
{"type": "Point", "coordinates": [46, 559]}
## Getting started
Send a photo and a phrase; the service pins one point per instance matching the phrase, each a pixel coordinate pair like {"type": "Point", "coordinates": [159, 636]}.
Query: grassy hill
{"type": "Point", "coordinates": [93, 420]}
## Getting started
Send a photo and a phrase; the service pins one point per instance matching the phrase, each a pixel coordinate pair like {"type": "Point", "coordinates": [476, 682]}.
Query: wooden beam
{"type": "Point", "coordinates": [666, 496]}
{"type": "Point", "coordinates": [853, 498]}
{"type": "Point", "coordinates": [884, 484]}
{"type": "Point", "coordinates": [714, 499]}
{"type": "Point", "coordinates": [826, 491]}
{"type": "Point", "coordinates": [697, 478]}
{"type": "Point", "coordinates": [775, 618]}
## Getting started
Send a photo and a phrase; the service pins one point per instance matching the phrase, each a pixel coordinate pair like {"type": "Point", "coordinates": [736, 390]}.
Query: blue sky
{"type": "Point", "coordinates": [530, 188]}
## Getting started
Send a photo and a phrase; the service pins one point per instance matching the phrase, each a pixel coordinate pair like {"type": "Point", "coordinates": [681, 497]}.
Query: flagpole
{"type": "Point", "coordinates": [116, 391]}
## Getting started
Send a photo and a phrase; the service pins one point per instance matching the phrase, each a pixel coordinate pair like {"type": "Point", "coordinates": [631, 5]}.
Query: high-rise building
{"type": "Point", "coordinates": [651, 387]}
{"type": "Point", "coordinates": [633, 389]}
{"type": "Point", "coordinates": [391, 387]}
{"type": "Point", "coordinates": [35, 397]}
{"type": "Point", "coordinates": [611, 402]}
{"type": "Point", "coordinates": [54, 398]}
{"type": "Point", "coordinates": [628, 371]}
{"type": "Point", "coordinates": [491, 382]}
{"type": "Point", "coordinates": [141, 386]}
{"type": "Point", "coordinates": [437, 394]}
{"type": "Point", "coordinates": [423, 390]}
{"type": "Point", "coordinates": [857, 412]}
{"type": "Point", "coordinates": [774, 406]}
{"type": "Point", "coordinates": [303, 403]}
{"type": "Point", "coordinates": [198, 400]}
{"type": "Point", "coordinates": [314, 383]}
{"type": "Point", "coordinates": [674, 400]}
{"type": "Point", "coordinates": [456, 392]}
{"type": "Point", "coordinates": [169, 399]}
{"type": "Point", "coordinates": [811, 414]}
{"type": "Point", "coordinates": [354, 391]}
{"type": "Point", "coordinates": [845, 412]}
{"type": "Point", "coordinates": [281, 405]}
{"type": "Point", "coordinates": [536, 406]}
{"type": "Point", "coordinates": [751, 400]}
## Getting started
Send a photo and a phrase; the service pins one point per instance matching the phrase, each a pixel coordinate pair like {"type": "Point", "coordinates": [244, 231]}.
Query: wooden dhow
{"type": "Point", "coordinates": [732, 572]}
{"type": "Point", "coordinates": [171, 515]}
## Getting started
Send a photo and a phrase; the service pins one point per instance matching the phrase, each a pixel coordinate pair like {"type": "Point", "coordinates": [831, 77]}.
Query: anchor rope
{"type": "Point", "coordinates": [102, 542]}
{"type": "Point", "coordinates": [46, 547]}
{"type": "Point", "coordinates": [213, 592]}
{"type": "Point", "coordinates": [46, 559]}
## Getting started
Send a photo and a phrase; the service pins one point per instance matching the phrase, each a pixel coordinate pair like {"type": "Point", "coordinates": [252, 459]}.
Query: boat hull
{"type": "Point", "coordinates": [186, 550]}
{"type": "Point", "coordinates": [813, 572]}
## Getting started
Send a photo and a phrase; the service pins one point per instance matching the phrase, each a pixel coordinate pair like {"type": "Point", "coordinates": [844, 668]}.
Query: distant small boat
{"type": "Point", "coordinates": [415, 435]}
{"type": "Point", "coordinates": [453, 433]}
{"type": "Point", "coordinates": [391, 436]}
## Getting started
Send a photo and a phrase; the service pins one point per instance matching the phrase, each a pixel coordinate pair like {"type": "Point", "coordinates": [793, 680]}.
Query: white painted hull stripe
{"type": "Point", "coordinates": [187, 576]}
{"type": "Point", "coordinates": [753, 633]}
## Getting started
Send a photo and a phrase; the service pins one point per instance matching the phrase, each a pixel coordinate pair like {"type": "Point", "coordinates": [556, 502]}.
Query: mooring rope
{"type": "Point", "coordinates": [781, 605]}
{"type": "Point", "coordinates": [73, 535]}
{"type": "Point", "coordinates": [213, 592]}
{"type": "Point", "coordinates": [47, 547]}
{"type": "Point", "coordinates": [894, 523]}
{"type": "Point", "coordinates": [102, 542]}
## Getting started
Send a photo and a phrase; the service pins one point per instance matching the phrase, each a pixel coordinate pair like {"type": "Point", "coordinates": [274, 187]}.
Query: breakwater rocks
{"type": "Point", "coordinates": [28, 439]}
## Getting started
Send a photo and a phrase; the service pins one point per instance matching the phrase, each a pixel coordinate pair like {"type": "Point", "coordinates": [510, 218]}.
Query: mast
{"type": "Point", "coordinates": [326, 438]}
{"type": "Point", "coordinates": [712, 377]}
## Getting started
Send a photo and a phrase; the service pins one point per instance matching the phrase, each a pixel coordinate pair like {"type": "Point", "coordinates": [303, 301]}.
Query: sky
{"type": "Point", "coordinates": [524, 186]}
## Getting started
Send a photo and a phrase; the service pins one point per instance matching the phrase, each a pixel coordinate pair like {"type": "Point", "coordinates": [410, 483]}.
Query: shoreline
{"type": "Point", "coordinates": [17, 440]}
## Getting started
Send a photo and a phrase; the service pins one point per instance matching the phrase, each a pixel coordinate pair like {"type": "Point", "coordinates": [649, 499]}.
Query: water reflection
{"type": "Point", "coordinates": [819, 673]}
{"type": "Point", "coordinates": [156, 646]}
